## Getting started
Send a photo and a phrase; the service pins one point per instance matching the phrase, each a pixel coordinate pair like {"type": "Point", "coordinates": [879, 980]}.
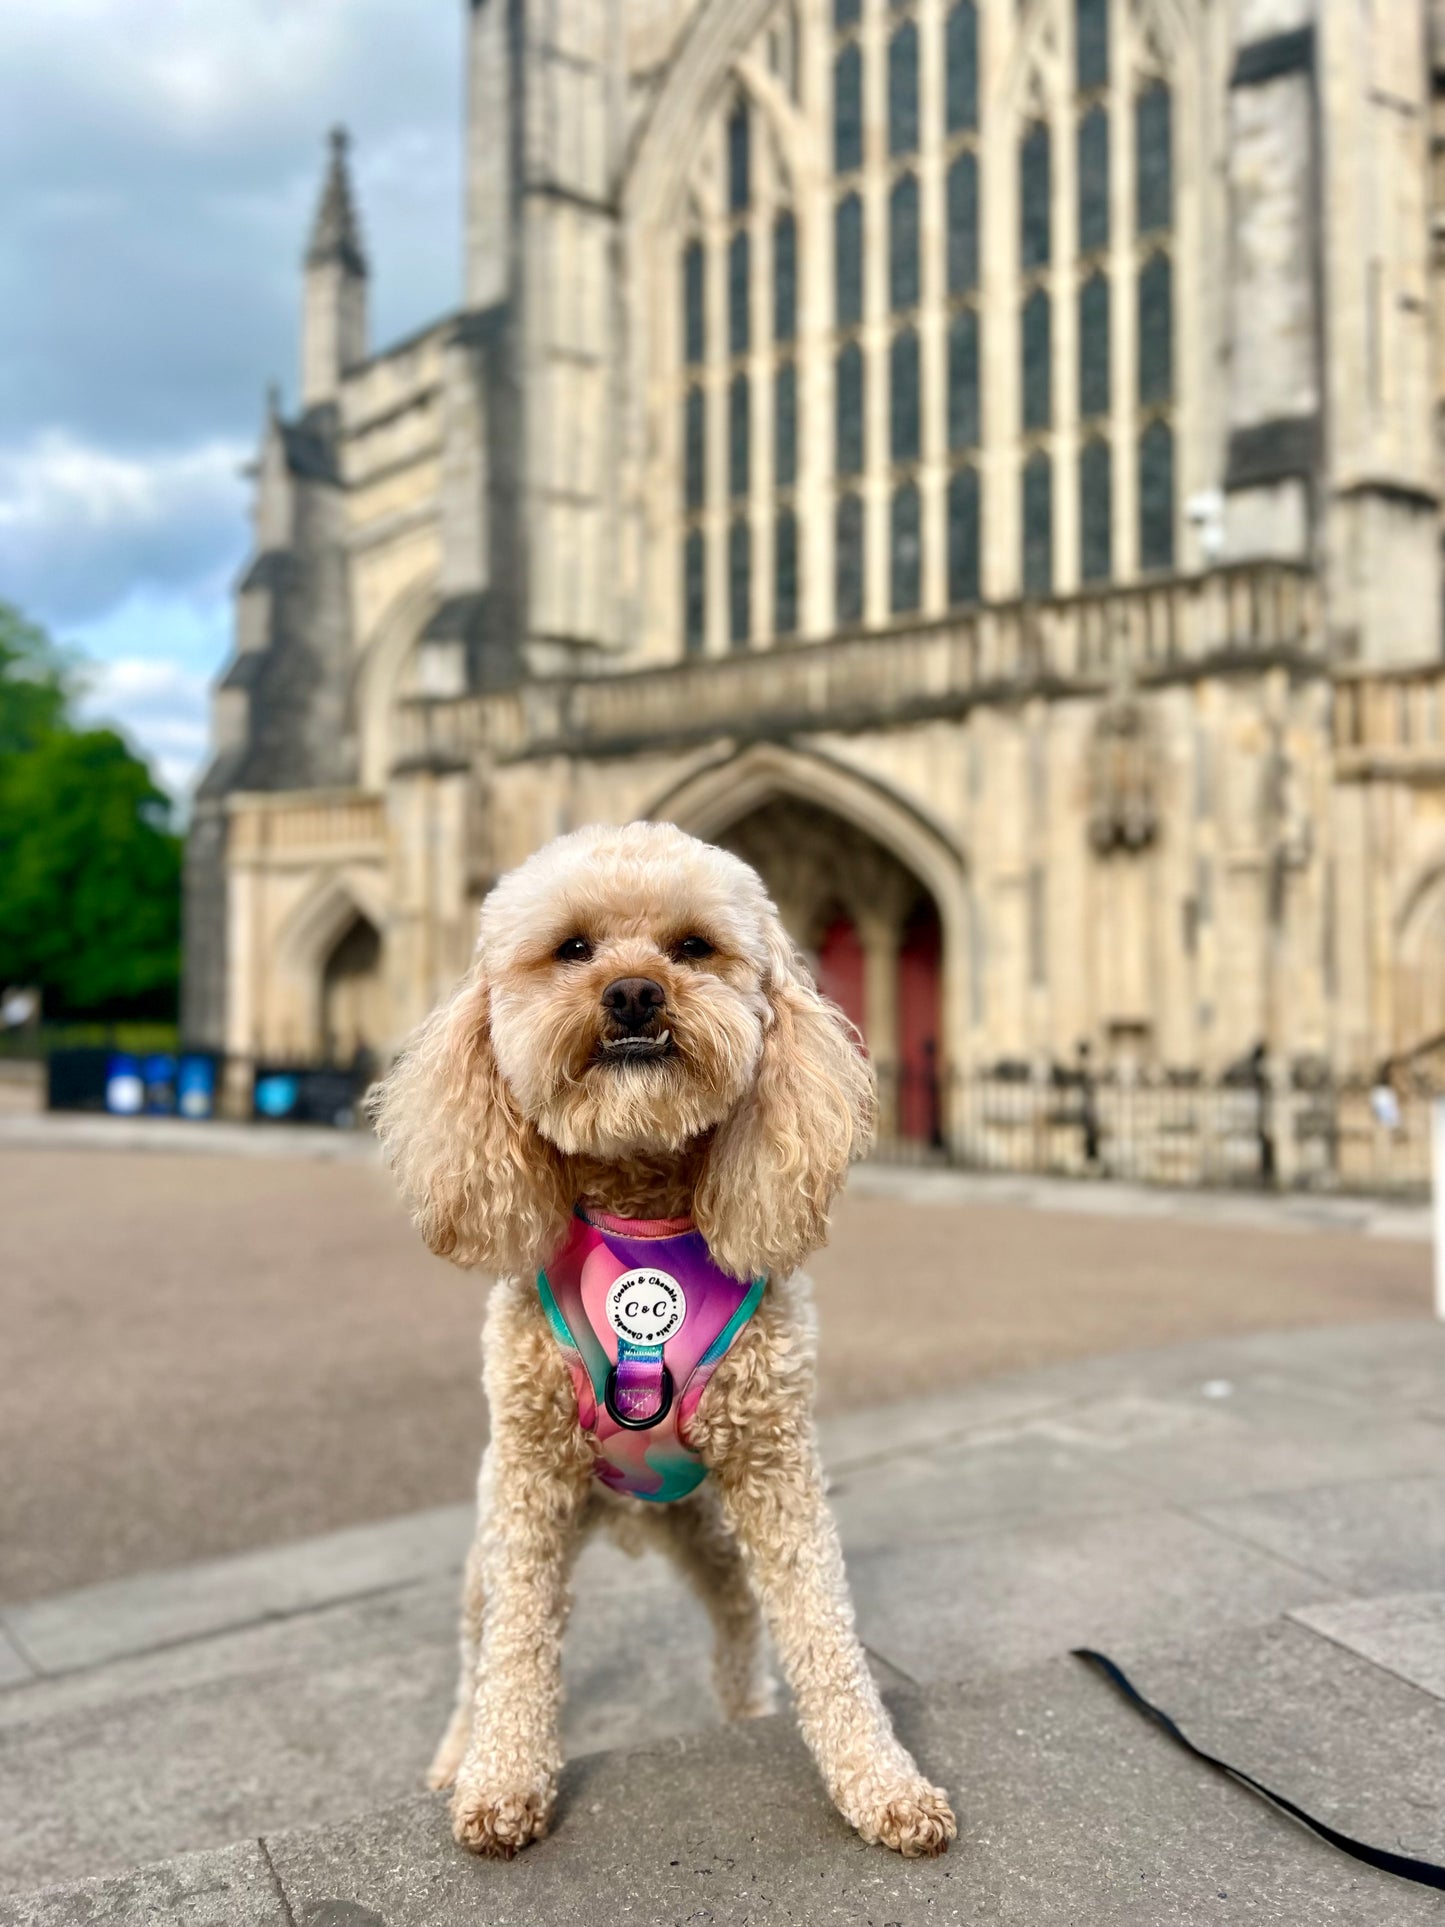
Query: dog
{"type": "Point", "coordinates": [639, 1043]}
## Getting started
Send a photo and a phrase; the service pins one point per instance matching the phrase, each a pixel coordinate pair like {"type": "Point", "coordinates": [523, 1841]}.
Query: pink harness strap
{"type": "Point", "coordinates": [643, 1316]}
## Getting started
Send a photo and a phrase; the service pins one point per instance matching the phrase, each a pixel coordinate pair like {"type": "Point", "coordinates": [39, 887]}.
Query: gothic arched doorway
{"type": "Point", "coordinates": [872, 931]}
{"type": "Point", "coordinates": [352, 1009]}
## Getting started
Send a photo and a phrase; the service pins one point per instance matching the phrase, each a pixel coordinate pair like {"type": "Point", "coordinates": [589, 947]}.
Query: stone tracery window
{"type": "Point", "coordinates": [785, 426]}
{"type": "Point", "coordinates": [739, 437]}
{"type": "Point", "coordinates": [903, 90]}
{"type": "Point", "coordinates": [785, 276]}
{"type": "Point", "coordinates": [906, 549]}
{"type": "Point", "coordinates": [963, 396]}
{"type": "Point", "coordinates": [903, 263]}
{"type": "Point", "coordinates": [905, 426]}
{"type": "Point", "coordinates": [848, 261]}
{"type": "Point", "coordinates": [848, 553]}
{"type": "Point", "coordinates": [964, 571]}
{"type": "Point", "coordinates": [960, 66]}
{"type": "Point", "coordinates": [849, 396]}
{"type": "Point", "coordinates": [740, 583]}
{"type": "Point", "coordinates": [694, 298]}
{"type": "Point", "coordinates": [1096, 545]}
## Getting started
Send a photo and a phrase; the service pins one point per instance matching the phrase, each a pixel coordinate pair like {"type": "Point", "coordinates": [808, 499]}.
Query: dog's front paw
{"type": "Point", "coordinates": [914, 1820]}
{"type": "Point", "coordinates": [499, 1822]}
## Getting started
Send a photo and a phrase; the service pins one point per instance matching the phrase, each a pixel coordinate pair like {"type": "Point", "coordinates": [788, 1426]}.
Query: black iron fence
{"type": "Point", "coordinates": [1247, 1130]}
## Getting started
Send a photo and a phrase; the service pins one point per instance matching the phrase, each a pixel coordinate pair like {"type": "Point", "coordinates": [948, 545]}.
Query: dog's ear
{"type": "Point", "coordinates": [483, 1185]}
{"type": "Point", "coordinates": [776, 1163]}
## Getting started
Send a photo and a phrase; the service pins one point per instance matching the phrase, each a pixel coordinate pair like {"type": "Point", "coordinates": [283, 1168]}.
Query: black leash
{"type": "Point", "coordinates": [1424, 1872]}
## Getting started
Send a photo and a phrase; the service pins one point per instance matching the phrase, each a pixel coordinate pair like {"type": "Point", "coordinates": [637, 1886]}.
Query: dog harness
{"type": "Point", "coordinates": [643, 1316]}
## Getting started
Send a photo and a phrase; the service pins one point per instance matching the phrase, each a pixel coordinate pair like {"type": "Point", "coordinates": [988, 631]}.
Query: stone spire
{"type": "Point", "coordinates": [333, 335]}
{"type": "Point", "coordinates": [336, 233]}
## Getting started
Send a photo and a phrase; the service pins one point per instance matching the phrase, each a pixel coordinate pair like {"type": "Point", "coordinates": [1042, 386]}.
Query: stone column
{"type": "Point", "coordinates": [879, 932]}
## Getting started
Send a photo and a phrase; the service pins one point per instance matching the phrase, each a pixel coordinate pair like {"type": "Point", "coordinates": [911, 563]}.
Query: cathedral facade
{"type": "Point", "coordinates": [976, 458]}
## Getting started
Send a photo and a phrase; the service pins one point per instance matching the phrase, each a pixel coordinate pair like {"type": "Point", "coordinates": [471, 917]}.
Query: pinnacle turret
{"type": "Point", "coordinates": [336, 233]}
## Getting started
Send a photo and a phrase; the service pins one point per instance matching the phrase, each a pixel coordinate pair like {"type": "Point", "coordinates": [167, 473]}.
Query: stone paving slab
{"type": "Point", "coordinates": [1405, 1634]}
{"type": "Point", "coordinates": [15, 1668]}
{"type": "Point", "coordinates": [1382, 1534]}
{"type": "Point", "coordinates": [1072, 1808]}
{"type": "Point", "coordinates": [231, 1887]}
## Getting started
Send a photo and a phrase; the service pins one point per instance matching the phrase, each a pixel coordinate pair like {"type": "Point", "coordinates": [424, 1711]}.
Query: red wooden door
{"type": "Point", "coordinates": [841, 973]}
{"type": "Point", "coordinates": [920, 1008]}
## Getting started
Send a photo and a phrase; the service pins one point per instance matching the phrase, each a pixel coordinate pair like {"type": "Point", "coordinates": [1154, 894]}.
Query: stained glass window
{"type": "Point", "coordinates": [1156, 497]}
{"type": "Point", "coordinates": [963, 224]}
{"type": "Point", "coordinates": [785, 277]}
{"type": "Point", "coordinates": [785, 425]}
{"type": "Point", "coordinates": [848, 560]}
{"type": "Point", "coordinates": [694, 593]}
{"type": "Point", "coordinates": [906, 549]}
{"type": "Point", "coordinates": [1034, 226]}
{"type": "Point", "coordinates": [1156, 329]}
{"type": "Point", "coordinates": [903, 90]}
{"type": "Point", "coordinates": [903, 243]}
{"type": "Point", "coordinates": [739, 291]}
{"type": "Point", "coordinates": [738, 158]}
{"type": "Point", "coordinates": [903, 408]}
{"type": "Point", "coordinates": [1038, 525]}
{"type": "Point", "coordinates": [1091, 43]}
{"type": "Point", "coordinates": [740, 582]}
{"type": "Point", "coordinates": [1037, 361]}
{"type": "Point", "coordinates": [848, 109]}
{"type": "Point", "coordinates": [1094, 347]}
{"type": "Point", "coordinates": [1153, 162]}
{"type": "Point", "coordinates": [963, 537]}
{"type": "Point", "coordinates": [694, 321]}
{"type": "Point", "coordinates": [847, 13]}
{"type": "Point", "coordinates": [739, 436]}
{"type": "Point", "coordinates": [1096, 520]}
{"type": "Point", "coordinates": [1094, 180]}
{"type": "Point", "coordinates": [848, 260]}
{"type": "Point", "coordinates": [850, 409]}
{"type": "Point", "coordinates": [961, 63]}
{"type": "Point", "coordinates": [963, 404]}
{"type": "Point", "coordinates": [694, 436]}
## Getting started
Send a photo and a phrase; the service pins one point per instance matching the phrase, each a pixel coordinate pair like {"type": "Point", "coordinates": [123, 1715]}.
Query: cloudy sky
{"type": "Point", "coordinates": [159, 163]}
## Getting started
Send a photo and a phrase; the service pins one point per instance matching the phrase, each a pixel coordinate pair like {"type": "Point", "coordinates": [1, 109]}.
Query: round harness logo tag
{"type": "Point", "coordinates": [646, 1307]}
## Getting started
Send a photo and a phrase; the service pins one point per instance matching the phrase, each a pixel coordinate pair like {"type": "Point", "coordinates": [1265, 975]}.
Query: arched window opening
{"type": "Point", "coordinates": [1091, 43]}
{"type": "Point", "coordinates": [1093, 181]}
{"type": "Point", "coordinates": [694, 303]}
{"type": "Point", "coordinates": [739, 437]}
{"type": "Point", "coordinates": [963, 224]}
{"type": "Point", "coordinates": [964, 421]}
{"type": "Point", "coordinates": [785, 277]}
{"type": "Point", "coordinates": [785, 425]}
{"type": "Point", "coordinates": [1153, 159]}
{"type": "Point", "coordinates": [1094, 347]}
{"type": "Point", "coordinates": [1038, 525]}
{"type": "Point", "coordinates": [740, 583]}
{"type": "Point", "coordinates": [903, 397]}
{"type": "Point", "coordinates": [694, 432]}
{"type": "Point", "coordinates": [848, 109]}
{"type": "Point", "coordinates": [739, 159]}
{"type": "Point", "coordinates": [1037, 334]}
{"type": "Point", "coordinates": [961, 68]}
{"type": "Point", "coordinates": [850, 410]}
{"type": "Point", "coordinates": [694, 593]}
{"type": "Point", "coordinates": [964, 571]}
{"type": "Point", "coordinates": [906, 549]}
{"type": "Point", "coordinates": [903, 264]}
{"type": "Point", "coordinates": [1035, 224]}
{"type": "Point", "coordinates": [1156, 329]}
{"type": "Point", "coordinates": [785, 574]}
{"type": "Point", "coordinates": [739, 293]}
{"type": "Point", "coordinates": [1096, 519]}
{"type": "Point", "coordinates": [1156, 497]}
{"type": "Point", "coordinates": [848, 261]}
{"type": "Point", "coordinates": [848, 561]}
{"type": "Point", "coordinates": [903, 90]}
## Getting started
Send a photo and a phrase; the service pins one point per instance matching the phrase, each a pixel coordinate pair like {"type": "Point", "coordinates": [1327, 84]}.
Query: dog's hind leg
{"type": "Point", "coordinates": [698, 1540]}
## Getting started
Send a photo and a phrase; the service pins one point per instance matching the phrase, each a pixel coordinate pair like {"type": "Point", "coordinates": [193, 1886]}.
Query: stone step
{"type": "Point", "coordinates": [1072, 1809]}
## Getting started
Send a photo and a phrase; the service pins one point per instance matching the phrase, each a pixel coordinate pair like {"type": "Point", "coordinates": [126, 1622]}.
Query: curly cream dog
{"type": "Point", "coordinates": [739, 1108]}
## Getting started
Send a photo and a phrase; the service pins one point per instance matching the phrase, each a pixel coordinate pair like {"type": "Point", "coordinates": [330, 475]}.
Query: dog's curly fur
{"type": "Point", "coordinates": [505, 1111]}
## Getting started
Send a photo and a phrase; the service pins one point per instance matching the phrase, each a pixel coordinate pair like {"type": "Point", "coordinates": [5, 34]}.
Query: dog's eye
{"type": "Point", "coordinates": [574, 950]}
{"type": "Point", "coordinates": [694, 949]}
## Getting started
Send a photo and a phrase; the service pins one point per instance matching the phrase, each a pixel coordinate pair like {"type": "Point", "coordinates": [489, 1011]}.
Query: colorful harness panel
{"type": "Point", "coordinates": [643, 1316]}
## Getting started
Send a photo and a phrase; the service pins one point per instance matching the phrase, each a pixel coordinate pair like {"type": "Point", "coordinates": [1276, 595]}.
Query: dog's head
{"type": "Point", "coordinates": [632, 992]}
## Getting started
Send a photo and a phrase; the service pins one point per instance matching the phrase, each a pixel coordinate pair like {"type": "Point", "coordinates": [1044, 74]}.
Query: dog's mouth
{"type": "Point", "coordinates": [634, 1050]}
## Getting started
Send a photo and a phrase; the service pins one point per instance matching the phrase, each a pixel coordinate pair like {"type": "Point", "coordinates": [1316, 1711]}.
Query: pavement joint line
{"type": "Point", "coordinates": [22, 1652]}
{"type": "Point", "coordinates": [1337, 1587]}
{"type": "Point", "coordinates": [1355, 1652]}
{"type": "Point", "coordinates": [281, 1894]}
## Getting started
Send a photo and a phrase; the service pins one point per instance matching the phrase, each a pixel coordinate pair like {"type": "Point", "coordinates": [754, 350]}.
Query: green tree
{"type": "Point", "coordinates": [90, 871]}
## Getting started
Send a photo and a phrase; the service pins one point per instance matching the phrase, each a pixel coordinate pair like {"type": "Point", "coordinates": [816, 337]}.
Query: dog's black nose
{"type": "Point", "coordinates": [633, 1002]}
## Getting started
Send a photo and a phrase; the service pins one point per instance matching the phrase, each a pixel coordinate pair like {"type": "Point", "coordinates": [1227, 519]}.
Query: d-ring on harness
{"type": "Point", "coordinates": [643, 1316]}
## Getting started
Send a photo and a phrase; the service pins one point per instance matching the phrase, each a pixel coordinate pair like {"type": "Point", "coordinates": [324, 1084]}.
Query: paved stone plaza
{"type": "Point", "coordinates": [1109, 1437]}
